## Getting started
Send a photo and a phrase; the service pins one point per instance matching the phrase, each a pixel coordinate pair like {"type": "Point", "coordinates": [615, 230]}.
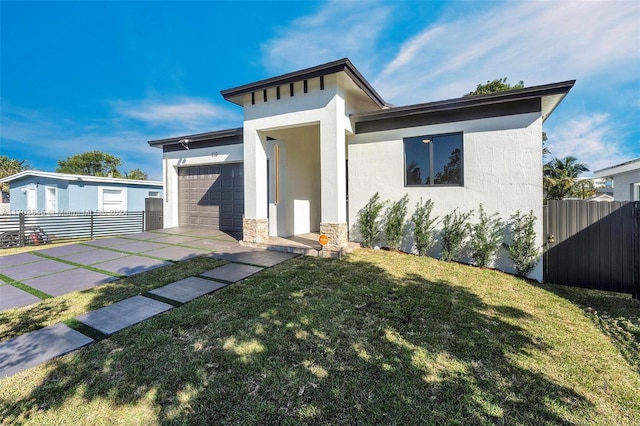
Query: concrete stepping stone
{"type": "Point", "coordinates": [188, 289]}
{"type": "Point", "coordinates": [68, 281]}
{"type": "Point", "coordinates": [18, 259]}
{"type": "Point", "coordinates": [232, 272]}
{"type": "Point", "coordinates": [143, 236]}
{"type": "Point", "coordinates": [92, 255]}
{"type": "Point", "coordinates": [260, 257]}
{"type": "Point", "coordinates": [108, 242]}
{"type": "Point", "coordinates": [175, 230]}
{"type": "Point", "coordinates": [174, 239]}
{"type": "Point", "coordinates": [203, 233]}
{"type": "Point", "coordinates": [38, 347]}
{"type": "Point", "coordinates": [123, 314]}
{"type": "Point", "coordinates": [131, 265]}
{"type": "Point", "coordinates": [64, 250]}
{"type": "Point", "coordinates": [212, 245]}
{"type": "Point", "coordinates": [35, 269]}
{"type": "Point", "coordinates": [12, 297]}
{"type": "Point", "coordinates": [139, 246]}
{"type": "Point", "coordinates": [176, 253]}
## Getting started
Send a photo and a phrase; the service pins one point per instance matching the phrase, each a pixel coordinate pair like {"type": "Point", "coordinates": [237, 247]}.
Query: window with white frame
{"type": "Point", "coordinates": [154, 194]}
{"type": "Point", "coordinates": [635, 190]}
{"type": "Point", "coordinates": [112, 199]}
{"type": "Point", "coordinates": [433, 160]}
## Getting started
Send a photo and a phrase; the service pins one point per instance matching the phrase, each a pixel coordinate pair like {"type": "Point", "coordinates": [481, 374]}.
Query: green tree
{"type": "Point", "coordinates": [91, 163]}
{"type": "Point", "coordinates": [97, 163]}
{"type": "Point", "coordinates": [523, 251]}
{"type": "Point", "coordinates": [495, 86]}
{"type": "Point", "coordinates": [368, 221]}
{"type": "Point", "coordinates": [10, 166]}
{"type": "Point", "coordinates": [395, 222]}
{"type": "Point", "coordinates": [423, 225]}
{"type": "Point", "coordinates": [136, 174]}
{"type": "Point", "coordinates": [560, 176]}
{"type": "Point", "coordinates": [454, 231]}
{"type": "Point", "coordinates": [486, 237]}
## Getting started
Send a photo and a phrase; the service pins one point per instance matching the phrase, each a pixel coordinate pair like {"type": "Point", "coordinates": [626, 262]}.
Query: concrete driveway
{"type": "Point", "coordinates": [64, 269]}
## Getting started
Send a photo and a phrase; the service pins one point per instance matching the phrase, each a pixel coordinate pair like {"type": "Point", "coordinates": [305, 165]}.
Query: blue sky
{"type": "Point", "coordinates": [79, 76]}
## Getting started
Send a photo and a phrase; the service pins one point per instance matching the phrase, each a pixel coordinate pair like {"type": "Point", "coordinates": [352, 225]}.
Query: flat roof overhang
{"type": "Point", "coordinates": [200, 140]}
{"type": "Point", "coordinates": [543, 99]}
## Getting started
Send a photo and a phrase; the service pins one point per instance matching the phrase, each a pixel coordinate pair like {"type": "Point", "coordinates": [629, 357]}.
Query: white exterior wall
{"type": "Point", "coordinates": [623, 184]}
{"type": "Point", "coordinates": [502, 169]}
{"type": "Point", "coordinates": [193, 157]}
{"type": "Point", "coordinates": [324, 109]}
{"type": "Point", "coordinates": [298, 210]}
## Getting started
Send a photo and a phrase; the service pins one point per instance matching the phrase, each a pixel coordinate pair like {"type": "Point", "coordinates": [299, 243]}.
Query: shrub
{"type": "Point", "coordinates": [523, 251]}
{"type": "Point", "coordinates": [395, 222]}
{"type": "Point", "coordinates": [423, 225]}
{"type": "Point", "coordinates": [368, 220]}
{"type": "Point", "coordinates": [486, 237]}
{"type": "Point", "coordinates": [454, 228]}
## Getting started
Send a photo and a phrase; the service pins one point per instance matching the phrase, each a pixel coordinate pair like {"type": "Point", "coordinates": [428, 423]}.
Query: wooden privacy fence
{"type": "Point", "coordinates": [593, 245]}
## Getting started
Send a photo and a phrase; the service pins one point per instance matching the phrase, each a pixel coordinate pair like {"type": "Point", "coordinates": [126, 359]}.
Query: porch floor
{"type": "Point", "coordinates": [306, 244]}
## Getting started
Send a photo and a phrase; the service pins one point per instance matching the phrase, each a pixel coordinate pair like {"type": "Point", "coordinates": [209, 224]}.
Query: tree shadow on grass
{"type": "Point", "coordinates": [57, 309]}
{"type": "Point", "coordinates": [314, 341]}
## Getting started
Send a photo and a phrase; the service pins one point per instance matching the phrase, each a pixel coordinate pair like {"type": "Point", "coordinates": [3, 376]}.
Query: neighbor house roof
{"type": "Point", "coordinates": [341, 65]}
{"type": "Point", "coordinates": [627, 166]}
{"type": "Point", "coordinates": [544, 98]}
{"type": "Point", "coordinates": [77, 178]}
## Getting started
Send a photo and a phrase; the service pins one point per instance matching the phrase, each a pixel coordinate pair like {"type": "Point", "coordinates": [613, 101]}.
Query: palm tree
{"type": "Point", "coordinates": [10, 166]}
{"type": "Point", "coordinates": [559, 177]}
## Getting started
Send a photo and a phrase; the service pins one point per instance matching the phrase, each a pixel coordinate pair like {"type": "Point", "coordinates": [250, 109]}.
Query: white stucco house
{"type": "Point", "coordinates": [317, 143]}
{"type": "Point", "coordinates": [626, 179]}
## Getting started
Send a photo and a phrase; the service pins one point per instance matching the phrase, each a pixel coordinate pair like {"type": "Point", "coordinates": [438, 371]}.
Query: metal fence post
{"type": "Point", "coordinates": [91, 225]}
{"type": "Point", "coordinates": [21, 235]}
{"type": "Point", "coordinates": [636, 250]}
{"type": "Point", "coordinates": [143, 222]}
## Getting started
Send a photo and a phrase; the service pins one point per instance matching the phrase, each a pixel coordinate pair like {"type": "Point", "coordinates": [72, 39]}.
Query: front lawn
{"type": "Point", "coordinates": [373, 338]}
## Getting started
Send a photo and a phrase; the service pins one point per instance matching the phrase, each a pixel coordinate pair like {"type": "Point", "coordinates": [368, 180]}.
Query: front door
{"type": "Point", "coordinates": [32, 199]}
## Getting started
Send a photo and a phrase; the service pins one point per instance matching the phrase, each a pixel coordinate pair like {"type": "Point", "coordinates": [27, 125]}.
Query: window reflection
{"type": "Point", "coordinates": [433, 160]}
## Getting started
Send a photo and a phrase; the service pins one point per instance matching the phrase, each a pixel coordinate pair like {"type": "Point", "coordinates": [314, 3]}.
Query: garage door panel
{"type": "Point", "coordinates": [212, 196]}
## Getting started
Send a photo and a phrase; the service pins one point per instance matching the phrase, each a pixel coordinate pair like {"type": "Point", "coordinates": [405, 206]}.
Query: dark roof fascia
{"type": "Point", "coordinates": [308, 73]}
{"type": "Point", "coordinates": [219, 134]}
{"type": "Point", "coordinates": [467, 101]}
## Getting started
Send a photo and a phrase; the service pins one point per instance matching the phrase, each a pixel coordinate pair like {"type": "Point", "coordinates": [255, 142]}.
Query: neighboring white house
{"type": "Point", "coordinates": [626, 179]}
{"type": "Point", "coordinates": [35, 191]}
{"type": "Point", "coordinates": [317, 143]}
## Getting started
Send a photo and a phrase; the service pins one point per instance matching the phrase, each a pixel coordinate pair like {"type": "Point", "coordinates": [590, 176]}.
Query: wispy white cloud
{"type": "Point", "coordinates": [338, 29]}
{"type": "Point", "coordinates": [594, 139]}
{"type": "Point", "coordinates": [123, 130]}
{"type": "Point", "coordinates": [187, 114]}
{"type": "Point", "coordinates": [537, 42]}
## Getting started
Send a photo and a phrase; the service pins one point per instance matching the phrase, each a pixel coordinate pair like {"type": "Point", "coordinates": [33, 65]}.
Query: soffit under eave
{"type": "Point", "coordinates": [549, 103]}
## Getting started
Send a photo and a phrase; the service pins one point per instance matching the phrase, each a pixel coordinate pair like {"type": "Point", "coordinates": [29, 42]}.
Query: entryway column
{"type": "Point", "coordinates": [255, 225]}
{"type": "Point", "coordinates": [333, 174]}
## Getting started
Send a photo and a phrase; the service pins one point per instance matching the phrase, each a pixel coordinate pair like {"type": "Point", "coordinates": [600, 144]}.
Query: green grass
{"type": "Point", "coordinates": [373, 338]}
{"type": "Point", "coordinates": [616, 315]}
{"type": "Point", "coordinates": [14, 322]}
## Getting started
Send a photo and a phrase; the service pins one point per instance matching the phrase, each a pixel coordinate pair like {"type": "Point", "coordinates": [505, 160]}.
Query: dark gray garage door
{"type": "Point", "coordinates": [212, 196]}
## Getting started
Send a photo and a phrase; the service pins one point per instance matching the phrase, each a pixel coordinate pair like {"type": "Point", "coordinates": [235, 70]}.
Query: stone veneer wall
{"type": "Point", "coordinates": [255, 230]}
{"type": "Point", "coordinates": [337, 233]}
